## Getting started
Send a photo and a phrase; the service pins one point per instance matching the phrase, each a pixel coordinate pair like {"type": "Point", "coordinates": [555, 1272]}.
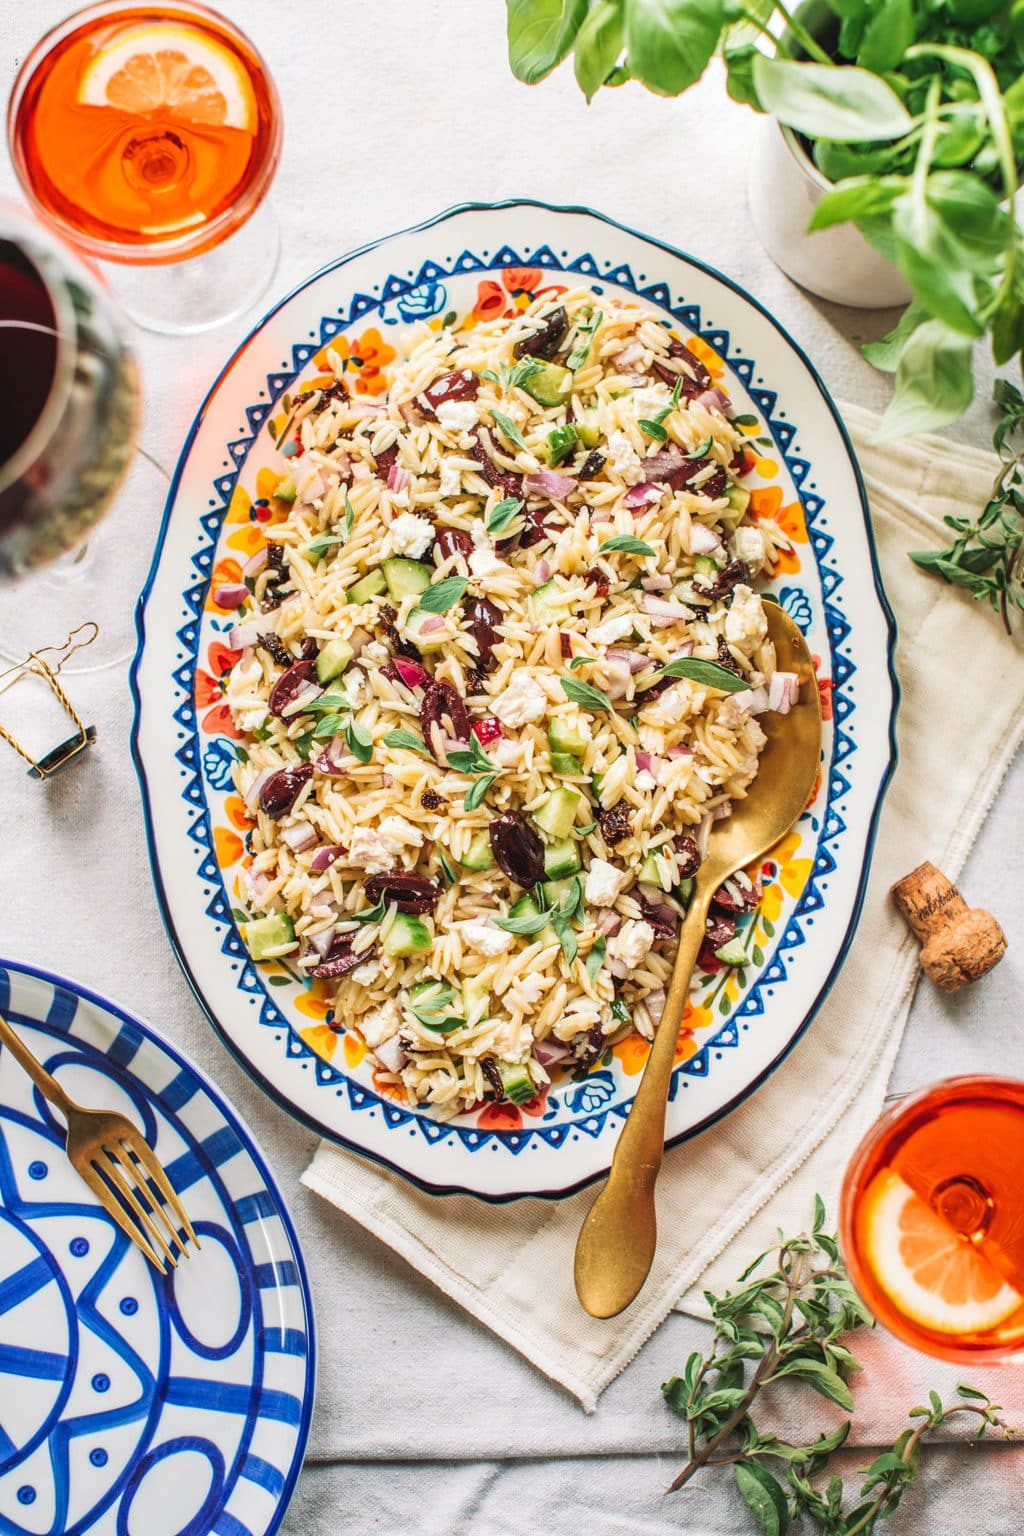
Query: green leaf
{"type": "Point", "coordinates": [885, 354]}
{"type": "Point", "coordinates": [476, 792]}
{"type": "Point", "coordinates": [431, 1008]}
{"type": "Point", "coordinates": [368, 914]}
{"type": "Point", "coordinates": [443, 595]}
{"type": "Point", "coordinates": [561, 441]}
{"type": "Point", "coordinates": [764, 1497]}
{"type": "Point", "coordinates": [471, 760]}
{"type": "Point", "coordinates": [585, 331]}
{"type": "Point", "coordinates": [407, 739]}
{"type": "Point", "coordinates": [449, 873]}
{"type": "Point", "coordinates": [317, 548]}
{"type": "Point", "coordinates": [598, 46]}
{"type": "Point", "coordinates": [620, 1010]}
{"type": "Point", "coordinates": [595, 959]}
{"type": "Point", "coordinates": [653, 429]}
{"type": "Point", "coordinates": [934, 382]}
{"type": "Point", "coordinates": [669, 43]}
{"type": "Point", "coordinates": [503, 512]}
{"type": "Point", "coordinates": [519, 373]}
{"type": "Point", "coordinates": [707, 673]}
{"type": "Point", "coordinates": [627, 544]}
{"type": "Point", "coordinates": [584, 694]}
{"type": "Point", "coordinates": [828, 101]}
{"type": "Point", "coordinates": [858, 197]}
{"type": "Point", "coordinates": [529, 922]}
{"type": "Point", "coordinates": [819, 1214]}
{"type": "Point", "coordinates": [934, 263]}
{"type": "Point", "coordinates": [972, 1392]}
{"type": "Point", "coordinates": [566, 938]}
{"type": "Point", "coordinates": [540, 34]}
{"type": "Point", "coordinates": [971, 210]}
{"type": "Point", "coordinates": [887, 37]}
{"type": "Point", "coordinates": [828, 1382]}
{"type": "Point", "coordinates": [580, 661]}
{"type": "Point", "coordinates": [508, 428]}
{"type": "Point", "coordinates": [360, 741]}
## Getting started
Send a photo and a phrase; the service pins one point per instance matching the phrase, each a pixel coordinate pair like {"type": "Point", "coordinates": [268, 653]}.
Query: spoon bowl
{"type": "Point", "coordinates": [619, 1235]}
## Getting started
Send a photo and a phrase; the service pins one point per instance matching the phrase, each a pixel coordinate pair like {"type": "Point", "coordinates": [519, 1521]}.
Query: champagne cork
{"type": "Point", "coordinates": [959, 943]}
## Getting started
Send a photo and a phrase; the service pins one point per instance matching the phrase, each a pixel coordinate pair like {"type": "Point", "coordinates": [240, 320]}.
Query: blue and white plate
{"type": "Point", "coordinates": [134, 1404]}
{"type": "Point", "coordinates": [481, 262]}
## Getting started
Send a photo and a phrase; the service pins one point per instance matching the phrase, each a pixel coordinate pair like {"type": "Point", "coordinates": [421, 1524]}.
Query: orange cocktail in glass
{"type": "Point", "coordinates": [932, 1219]}
{"type": "Point", "coordinates": [148, 134]}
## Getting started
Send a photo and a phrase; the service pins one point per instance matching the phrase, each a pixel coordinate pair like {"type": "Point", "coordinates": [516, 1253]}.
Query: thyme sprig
{"type": "Point", "coordinates": [985, 557]}
{"type": "Point", "coordinates": [789, 1323]}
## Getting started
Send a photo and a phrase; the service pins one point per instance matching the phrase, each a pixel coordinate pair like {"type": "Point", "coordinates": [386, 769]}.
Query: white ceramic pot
{"type": "Point", "coordinates": [836, 264]}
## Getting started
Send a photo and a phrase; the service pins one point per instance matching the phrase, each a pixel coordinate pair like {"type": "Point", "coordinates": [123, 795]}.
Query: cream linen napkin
{"type": "Point", "coordinates": [512, 1267]}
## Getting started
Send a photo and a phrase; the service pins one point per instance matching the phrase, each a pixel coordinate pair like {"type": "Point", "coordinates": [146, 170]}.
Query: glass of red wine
{"type": "Point", "coordinates": [68, 451]}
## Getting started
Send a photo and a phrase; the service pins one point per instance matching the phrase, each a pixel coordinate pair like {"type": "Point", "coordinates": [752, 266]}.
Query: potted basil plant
{"type": "Point", "coordinates": [903, 122]}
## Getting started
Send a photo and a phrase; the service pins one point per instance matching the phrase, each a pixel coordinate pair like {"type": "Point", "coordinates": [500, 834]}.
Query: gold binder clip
{"type": "Point", "coordinates": [36, 664]}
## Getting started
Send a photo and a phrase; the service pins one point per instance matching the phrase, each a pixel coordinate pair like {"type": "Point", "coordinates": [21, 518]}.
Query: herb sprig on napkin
{"type": "Point", "coordinates": [985, 557]}
{"type": "Point", "coordinates": [788, 1323]}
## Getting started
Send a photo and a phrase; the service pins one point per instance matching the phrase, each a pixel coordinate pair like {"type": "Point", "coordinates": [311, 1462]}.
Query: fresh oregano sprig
{"type": "Point", "coordinates": [985, 557]}
{"type": "Point", "coordinates": [789, 1323]}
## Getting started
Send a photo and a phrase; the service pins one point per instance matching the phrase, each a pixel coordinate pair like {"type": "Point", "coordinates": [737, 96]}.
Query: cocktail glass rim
{"type": "Point", "coordinates": [160, 252]}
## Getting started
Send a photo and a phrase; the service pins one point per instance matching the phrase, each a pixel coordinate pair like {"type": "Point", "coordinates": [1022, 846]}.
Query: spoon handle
{"type": "Point", "coordinates": [619, 1234]}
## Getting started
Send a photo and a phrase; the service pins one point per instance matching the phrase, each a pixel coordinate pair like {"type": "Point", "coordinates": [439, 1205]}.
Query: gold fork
{"type": "Point", "coordinates": [118, 1165]}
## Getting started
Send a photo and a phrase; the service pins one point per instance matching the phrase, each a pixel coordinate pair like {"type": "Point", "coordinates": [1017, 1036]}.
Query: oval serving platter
{"type": "Point", "coordinates": [489, 260]}
{"type": "Point", "coordinates": [130, 1400]}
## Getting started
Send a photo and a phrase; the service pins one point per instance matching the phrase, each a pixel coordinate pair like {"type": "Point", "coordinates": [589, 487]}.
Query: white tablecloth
{"type": "Point", "coordinates": [425, 1422]}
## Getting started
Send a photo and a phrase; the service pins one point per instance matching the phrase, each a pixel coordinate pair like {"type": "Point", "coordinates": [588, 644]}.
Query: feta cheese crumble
{"type": "Point", "coordinates": [604, 883]}
{"type": "Point", "coordinates": [522, 702]}
{"type": "Point", "coordinates": [458, 415]}
{"type": "Point", "coordinates": [411, 535]}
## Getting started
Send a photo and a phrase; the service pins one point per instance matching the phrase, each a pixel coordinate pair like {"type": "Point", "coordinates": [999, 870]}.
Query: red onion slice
{"type": "Point", "coordinates": [305, 696]}
{"type": "Point", "coordinates": [703, 540]}
{"type": "Point", "coordinates": [631, 353]}
{"type": "Point", "coordinates": [252, 794]}
{"type": "Point", "coordinates": [676, 752]}
{"type": "Point", "coordinates": [231, 595]}
{"type": "Point", "coordinates": [640, 495]}
{"type": "Point", "coordinates": [322, 942]}
{"type": "Point", "coordinates": [713, 399]}
{"type": "Point", "coordinates": [541, 572]}
{"type": "Point", "coordinates": [391, 1054]}
{"type": "Point", "coordinates": [411, 673]}
{"type": "Point", "coordinates": [654, 1002]}
{"type": "Point", "coordinates": [664, 612]}
{"type": "Point", "coordinates": [431, 625]}
{"type": "Point", "coordinates": [656, 583]}
{"type": "Point", "coordinates": [300, 837]}
{"type": "Point", "coordinates": [636, 661]}
{"type": "Point", "coordinates": [783, 691]}
{"type": "Point", "coordinates": [609, 922]}
{"type": "Point", "coordinates": [548, 1052]}
{"type": "Point", "coordinates": [548, 482]}
{"type": "Point", "coordinates": [398, 478]}
{"type": "Point", "coordinates": [255, 563]}
{"type": "Point", "coordinates": [325, 857]}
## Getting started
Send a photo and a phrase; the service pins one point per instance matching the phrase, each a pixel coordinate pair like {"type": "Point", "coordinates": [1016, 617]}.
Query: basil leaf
{"type": "Point", "coordinates": [360, 742]}
{"type": "Point", "coordinates": [520, 373]}
{"type": "Point", "coordinates": [449, 873]}
{"type": "Point", "coordinates": [328, 725]}
{"type": "Point", "coordinates": [503, 512]}
{"type": "Point", "coordinates": [708, 673]}
{"type": "Point", "coordinates": [584, 694]}
{"type": "Point", "coordinates": [585, 831]}
{"type": "Point", "coordinates": [934, 382]}
{"type": "Point", "coordinates": [620, 1011]}
{"type": "Point", "coordinates": [431, 1010]}
{"type": "Point", "coordinates": [885, 354]}
{"type": "Point", "coordinates": [828, 101]}
{"type": "Point", "coordinates": [580, 661]}
{"type": "Point", "coordinates": [763, 1496]}
{"type": "Point", "coordinates": [473, 760]}
{"type": "Point", "coordinates": [702, 449]}
{"type": "Point", "coordinates": [572, 905]}
{"type": "Point", "coordinates": [540, 34]}
{"type": "Point", "coordinates": [407, 739]}
{"type": "Point", "coordinates": [528, 923]}
{"type": "Point", "coordinates": [350, 517]}
{"type": "Point", "coordinates": [368, 914]}
{"type": "Point", "coordinates": [598, 46]}
{"type": "Point", "coordinates": [566, 938]}
{"type": "Point", "coordinates": [887, 37]}
{"type": "Point", "coordinates": [670, 43]}
{"type": "Point", "coordinates": [858, 197]}
{"type": "Point", "coordinates": [443, 595]}
{"type": "Point", "coordinates": [595, 959]}
{"type": "Point", "coordinates": [325, 703]}
{"type": "Point", "coordinates": [508, 428]}
{"type": "Point", "coordinates": [561, 441]}
{"type": "Point", "coordinates": [627, 544]}
{"type": "Point", "coordinates": [653, 429]}
{"type": "Point", "coordinates": [318, 547]}
{"type": "Point", "coordinates": [476, 792]}
{"type": "Point", "coordinates": [585, 333]}
{"type": "Point", "coordinates": [934, 263]}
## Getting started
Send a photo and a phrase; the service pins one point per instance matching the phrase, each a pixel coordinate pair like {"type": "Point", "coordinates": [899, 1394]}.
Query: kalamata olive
{"type": "Point", "coordinates": [509, 483]}
{"type": "Point", "coordinates": [290, 684]}
{"type": "Point", "coordinates": [593, 1048]}
{"type": "Point", "coordinates": [398, 643]}
{"type": "Point", "coordinates": [720, 930]}
{"type": "Point", "coordinates": [386, 459]}
{"type": "Point", "coordinates": [463, 385]}
{"type": "Point", "coordinates": [341, 958]}
{"type": "Point", "coordinates": [481, 617]}
{"type": "Point", "coordinates": [534, 531]}
{"type": "Point", "coordinates": [310, 649]}
{"type": "Point", "coordinates": [688, 859]}
{"type": "Point", "coordinates": [410, 893]}
{"type": "Point", "coordinates": [443, 706]}
{"type": "Point", "coordinates": [453, 541]}
{"type": "Point", "coordinates": [615, 823]}
{"type": "Point", "coordinates": [738, 895]}
{"type": "Point", "coordinates": [660, 916]}
{"type": "Point", "coordinates": [728, 577]}
{"type": "Point", "coordinates": [714, 486]}
{"type": "Point", "coordinates": [517, 849]}
{"type": "Point", "coordinates": [690, 387]}
{"type": "Point", "coordinates": [282, 789]}
{"type": "Point", "coordinates": [545, 341]}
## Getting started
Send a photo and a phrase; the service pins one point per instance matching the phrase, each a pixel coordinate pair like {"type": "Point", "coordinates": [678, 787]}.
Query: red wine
{"type": "Point", "coordinates": [28, 357]}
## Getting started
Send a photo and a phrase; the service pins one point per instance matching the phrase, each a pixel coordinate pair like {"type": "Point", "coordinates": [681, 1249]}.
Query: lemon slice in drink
{"type": "Point", "coordinates": [936, 1278]}
{"type": "Point", "coordinates": [173, 68]}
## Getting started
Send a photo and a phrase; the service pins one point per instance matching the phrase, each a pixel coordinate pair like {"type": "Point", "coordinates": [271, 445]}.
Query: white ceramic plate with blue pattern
{"type": "Point", "coordinates": [132, 1403]}
{"type": "Point", "coordinates": [487, 261]}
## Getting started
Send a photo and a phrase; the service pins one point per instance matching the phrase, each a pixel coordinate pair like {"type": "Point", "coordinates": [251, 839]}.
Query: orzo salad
{"type": "Point", "coordinates": [500, 669]}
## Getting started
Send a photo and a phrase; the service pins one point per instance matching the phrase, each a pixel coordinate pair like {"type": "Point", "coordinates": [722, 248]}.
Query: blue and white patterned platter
{"type": "Point", "coordinates": [480, 261]}
{"type": "Point", "coordinates": [134, 1404]}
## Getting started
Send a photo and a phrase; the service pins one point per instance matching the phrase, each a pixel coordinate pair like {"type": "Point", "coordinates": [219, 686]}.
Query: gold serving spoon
{"type": "Point", "coordinates": [616, 1244]}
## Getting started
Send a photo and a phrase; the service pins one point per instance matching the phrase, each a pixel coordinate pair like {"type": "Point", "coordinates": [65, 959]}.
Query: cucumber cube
{"type": "Point", "coordinates": [564, 737]}
{"type": "Point", "coordinates": [268, 937]}
{"type": "Point", "coordinates": [333, 660]}
{"type": "Point", "coordinates": [370, 585]}
{"type": "Point", "coordinates": [561, 859]}
{"type": "Point", "coordinates": [566, 765]}
{"type": "Point", "coordinates": [557, 815]}
{"type": "Point", "coordinates": [407, 936]}
{"type": "Point", "coordinates": [478, 855]}
{"type": "Point", "coordinates": [590, 432]}
{"type": "Point", "coordinates": [550, 385]}
{"type": "Point", "coordinates": [406, 578]}
{"type": "Point", "coordinates": [733, 953]}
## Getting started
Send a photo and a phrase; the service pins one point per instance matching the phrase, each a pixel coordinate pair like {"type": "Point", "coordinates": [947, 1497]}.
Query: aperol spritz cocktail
{"type": "Point", "coordinates": [148, 134]}
{"type": "Point", "coordinates": [932, 1219]}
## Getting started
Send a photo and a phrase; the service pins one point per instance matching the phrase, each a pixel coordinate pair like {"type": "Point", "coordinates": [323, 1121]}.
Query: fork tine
{"type": "Point", "coordinates": [110, 1170]}
{"type": "Point", "coordinates": [137, 1175]}
{"type": "Point", "coordinates": [151, 1163]}
{"type": "Point", "coordinates": [113, 1207]}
